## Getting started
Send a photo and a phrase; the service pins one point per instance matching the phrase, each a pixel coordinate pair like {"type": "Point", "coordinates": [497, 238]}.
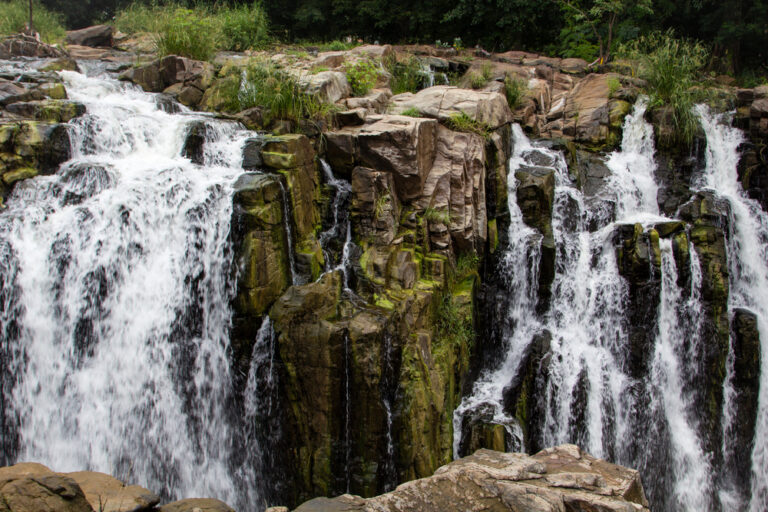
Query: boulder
{"type": "Point", "coordinates": [442, 101]}
{"type": "Point", "coordinates": [197, 505]}
{"type": "Point", "coordinates": [375, 102]}
{"type": "Point", "coordinates": [194, 142]}
{"type": "Point", "coordinates": [30, 487]}
{"type": "Point", "coordinates": [555, 480]}
{"type": "Point", "coordinates": [327, 86]}
{"type": "Point", "coordinates": [590, 115]}
{"type": "Point", "coordinates": [21, 45]}
{"type": "Point", "coordinates": [106, 493]}
{"type": "Point", "coordinates": [95, 36]}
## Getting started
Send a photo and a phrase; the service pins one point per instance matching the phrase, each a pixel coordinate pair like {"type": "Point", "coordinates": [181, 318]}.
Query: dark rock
{"type": "Point", "coordinates": [60, 111]}
{"type": "Point", "coordinates": [746, 387]}
{"type": "Point", "coordinates": [95, 36]}
{"type": "Point", "coordinates": [194, 142]}
{"type": "Point", "coordinates": [252, 153]}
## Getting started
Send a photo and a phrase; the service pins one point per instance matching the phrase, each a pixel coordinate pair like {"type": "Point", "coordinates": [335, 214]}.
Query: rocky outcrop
{"type": "Point", "coordinates": [441, 102]}
{"type": "Point", "coordinates": [21, 45]}
{"type": "Point", "coordinates": [95, 36]}
{"type": "Point", "coordinates": [560, 479]}
{"type": "Point", "coordinates": [437, 179]}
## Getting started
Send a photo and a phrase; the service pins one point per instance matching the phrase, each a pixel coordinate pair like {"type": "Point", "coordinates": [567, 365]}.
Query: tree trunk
{"type": "Point", "coordinates": [31, 24]}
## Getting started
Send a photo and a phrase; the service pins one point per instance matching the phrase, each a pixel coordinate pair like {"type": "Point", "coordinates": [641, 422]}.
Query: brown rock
{"type": "Point", "coordinates": [30, 487]}
{"type": "Point", "coordinates": [442, 101]}
{"type": "Point", "coordinates": [106, 493]}
{"type": "Point", "coordinates": [197, 505]}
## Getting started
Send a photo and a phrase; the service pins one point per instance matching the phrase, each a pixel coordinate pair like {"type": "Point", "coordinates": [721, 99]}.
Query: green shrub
{"type": "Point", "coordinates": [476, 80]}
{"type": "Point", "coordinates": [670, 68]}
{"type": "Point", "coordinates": [14, 16]}
{"type": "Point", "coordinates": [411, 112]}
{"type": "Point", "coordinates": [188, 33]}
{"type": "Point", "coordinates": [407, 76]}
{"type": "Point", "coordinates": [244, 27]}
{"type": "Point", "coordinates": [515, 90]}
{"type": "Point", "coordinates": [280, 93]}
{"type": "Point", "coordinates": [362, 76]}
{"type": "Point", "coordinates": [461, 122]}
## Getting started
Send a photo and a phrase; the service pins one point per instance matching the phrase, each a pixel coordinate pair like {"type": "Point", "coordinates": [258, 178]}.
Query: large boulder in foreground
{"type": "Point", "coordinates": [30, 487]}
{"type": "Point", "coordinates": [443, 101]}
{"type": "Point", "coordinates": [558, 479]}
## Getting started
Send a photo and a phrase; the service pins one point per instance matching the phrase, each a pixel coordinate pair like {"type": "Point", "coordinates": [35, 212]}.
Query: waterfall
{"type": "Point", "coordinates": [589, 391]}
{"type": "Point", "coordinates": [116, 284]}
{"type": "Point", "coordinates": [748, 268]}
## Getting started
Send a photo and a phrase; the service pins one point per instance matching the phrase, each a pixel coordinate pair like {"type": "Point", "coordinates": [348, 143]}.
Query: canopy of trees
{"type": "Point", "coordinates": [736, 30]}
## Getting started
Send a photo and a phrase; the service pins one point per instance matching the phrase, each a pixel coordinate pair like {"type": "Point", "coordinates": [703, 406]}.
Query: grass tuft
{"type": "Point", "coordinates": [461, 122]}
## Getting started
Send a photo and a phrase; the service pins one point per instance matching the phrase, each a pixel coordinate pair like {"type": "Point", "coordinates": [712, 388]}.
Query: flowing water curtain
{"type": "Point", "coordinates": [122, 289]}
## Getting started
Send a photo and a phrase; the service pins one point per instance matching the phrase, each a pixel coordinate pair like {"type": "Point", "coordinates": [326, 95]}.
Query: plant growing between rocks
{"type": "Point", "coordinates": [462, 122]}
{"type": "Point", "coordinates": [362, 76]}
{"type": "Point", "coordinates": [514, 90]}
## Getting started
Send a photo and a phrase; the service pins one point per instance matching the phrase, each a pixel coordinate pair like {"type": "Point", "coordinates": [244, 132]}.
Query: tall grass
{"type": "Point", "coordinates": [14, 15]}
{"type": "Point", "coordinates": [281, 94]}
{"type": "Point", "coordinates": [671, 69]}
{"type": "Point", "coordinates": [198, 32]}
{"type": "Point", "coordinates": [406, 76]}
{"type": "Point", "coordinates": [188, 33]}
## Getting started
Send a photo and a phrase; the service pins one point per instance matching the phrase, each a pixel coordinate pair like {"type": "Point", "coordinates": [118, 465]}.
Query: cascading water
{"type": "Point", "coordinates": [590, 391]}
{"type": "Point", "coordinates": [340, 226]}
{"type": "Point", "coordinates": [748, 270]}
{"type": "Point", "coordinates": [116, 288]}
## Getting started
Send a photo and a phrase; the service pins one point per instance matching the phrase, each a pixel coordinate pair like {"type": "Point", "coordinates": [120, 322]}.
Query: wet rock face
{"type": "Point", "coordinates": [746, 385]}
{"type": "Point", "coordinates": [639, 260]}
{"type": "Point", "coordinates": [554, 480]}
{"type": "Point", "coordinates": [29, 148]}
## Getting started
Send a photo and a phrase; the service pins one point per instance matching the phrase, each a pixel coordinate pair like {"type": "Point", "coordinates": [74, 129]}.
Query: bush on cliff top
{"type": "Point", "coordinates": [671, 68]}
{"type": "Point", "coordinates": [14, 15]}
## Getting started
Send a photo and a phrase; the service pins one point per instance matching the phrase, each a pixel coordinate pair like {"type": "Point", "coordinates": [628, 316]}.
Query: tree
{"type": "Point", "coordinates": [603, 17]}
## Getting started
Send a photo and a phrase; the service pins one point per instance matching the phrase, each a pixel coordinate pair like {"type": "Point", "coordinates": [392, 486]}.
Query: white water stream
{"type": "Point", "coordinates": [121, 268]}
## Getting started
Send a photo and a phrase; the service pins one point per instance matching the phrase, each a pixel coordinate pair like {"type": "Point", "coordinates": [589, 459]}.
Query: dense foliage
{"type": "Point", "coordinates": [734, 30]}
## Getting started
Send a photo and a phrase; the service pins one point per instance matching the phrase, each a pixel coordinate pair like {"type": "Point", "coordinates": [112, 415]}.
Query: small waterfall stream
{"type": "Point", "coordinates": [116, 288]}
{"type": "Point", "coordinates": [748, 269]}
